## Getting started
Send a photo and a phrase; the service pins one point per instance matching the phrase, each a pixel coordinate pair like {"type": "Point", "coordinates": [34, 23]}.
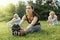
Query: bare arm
{"type": "Point", "coordinates": [54, 18]}
{"type": "Point", "coordinates": [22, 21]}
{"type": "Point", "coordinates": [32, 23]}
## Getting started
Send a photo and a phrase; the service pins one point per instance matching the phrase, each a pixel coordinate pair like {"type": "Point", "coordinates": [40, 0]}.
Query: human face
{"type": "Point", "coordinates": [15, 16]}
{"type": "Point", "coordinates": [29, 9]}
{"type": "Point", "coordinates": [52, 14]}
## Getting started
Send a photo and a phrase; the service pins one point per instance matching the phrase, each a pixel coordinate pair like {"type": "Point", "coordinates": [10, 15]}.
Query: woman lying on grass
{"type": "Point", "coordinates": [52, 19]}
{"type": "Point", "coordinates": [32, 18]}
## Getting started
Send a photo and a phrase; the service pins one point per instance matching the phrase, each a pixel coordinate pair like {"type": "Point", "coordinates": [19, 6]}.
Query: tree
{"type": "Point", "coordinates": [43, 10]}
{"type": "Point", "coordinates": [11, 8]}
{"type": "Point", "coordinates": [21, 9]}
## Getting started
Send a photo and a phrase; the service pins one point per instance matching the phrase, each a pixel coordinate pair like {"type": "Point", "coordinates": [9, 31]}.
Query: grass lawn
{"type": "Point", "coordinates": [47, 32]}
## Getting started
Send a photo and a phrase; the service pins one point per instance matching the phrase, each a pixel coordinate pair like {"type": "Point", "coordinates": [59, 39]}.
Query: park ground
{"type": "Point", "coordinates": [46, 33]}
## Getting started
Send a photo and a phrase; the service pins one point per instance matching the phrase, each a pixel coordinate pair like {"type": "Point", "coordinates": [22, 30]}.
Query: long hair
{"type": "Point", "coordinates": [34, 13]}
{"type": "Point", "coordinates": [52, 12]}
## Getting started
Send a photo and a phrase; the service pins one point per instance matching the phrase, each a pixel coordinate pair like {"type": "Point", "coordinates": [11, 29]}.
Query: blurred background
{"type": "Point", "coordinates": [42, 7]}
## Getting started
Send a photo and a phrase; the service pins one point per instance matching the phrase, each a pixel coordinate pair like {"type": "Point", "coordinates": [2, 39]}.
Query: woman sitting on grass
{"type": "Point", "coordinates": [16, 20]}
{"type": "Point", "coordinates": [52, 19]}
{"type": "Point", "coordinates": [32, 18]}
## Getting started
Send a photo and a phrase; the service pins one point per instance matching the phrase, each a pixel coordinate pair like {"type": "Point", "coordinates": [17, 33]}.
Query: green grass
{"type": "Point", "coordinates": [47, 32]}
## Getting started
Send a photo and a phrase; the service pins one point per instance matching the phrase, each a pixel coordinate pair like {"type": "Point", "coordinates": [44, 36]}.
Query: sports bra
{"type": "Point", "coordinates": [37, 23]}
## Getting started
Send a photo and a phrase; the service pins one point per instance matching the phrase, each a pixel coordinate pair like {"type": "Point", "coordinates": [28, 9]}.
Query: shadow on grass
{"type": "Point", "coordinates": [42, 32]}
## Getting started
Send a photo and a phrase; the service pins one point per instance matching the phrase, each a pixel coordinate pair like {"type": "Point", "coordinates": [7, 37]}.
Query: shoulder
{"type": "Point", "coordinates": [35, 17]}
{"type": "Point", "coordinates": [13, 19]}
{"type": "Point", "coordinates": [55, 15]}
{"type": "Point", "coordinates": [49, 16]}
{"type": "Point", "coordinates": [19, 18]}
{"type": "Point", "coordinates": [24, 17]}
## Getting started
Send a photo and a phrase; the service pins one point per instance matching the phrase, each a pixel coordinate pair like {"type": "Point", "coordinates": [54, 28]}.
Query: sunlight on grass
{"type": "Point", "coordinates": [47, 33]}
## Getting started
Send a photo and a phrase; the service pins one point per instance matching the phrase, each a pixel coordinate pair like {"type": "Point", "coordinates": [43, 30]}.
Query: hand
{"type": "Point", "coordinates": [22, 32]}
